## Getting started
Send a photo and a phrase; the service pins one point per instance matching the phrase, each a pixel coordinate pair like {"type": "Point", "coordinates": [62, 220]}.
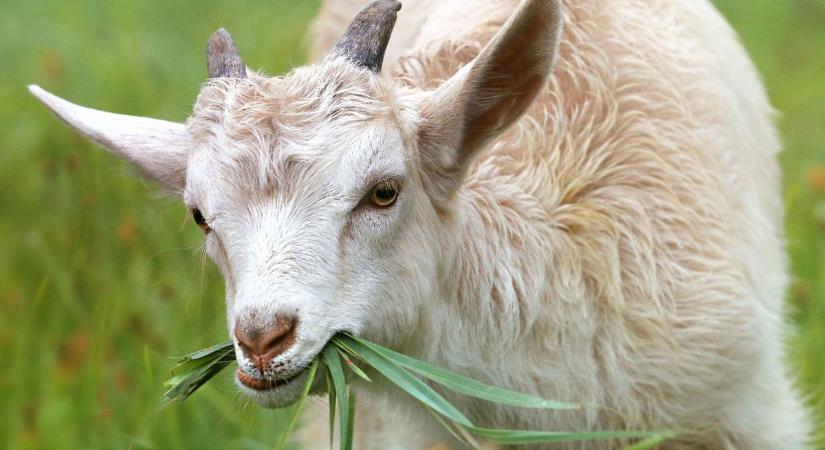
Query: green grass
{"type": "Point", "coordinates": [340, 361]}
{"type": "Point", "coordinates": [101, 279]}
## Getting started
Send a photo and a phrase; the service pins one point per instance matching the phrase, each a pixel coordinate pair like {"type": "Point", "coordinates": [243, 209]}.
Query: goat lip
{"type": "Point", "coordinates": [259, 384]}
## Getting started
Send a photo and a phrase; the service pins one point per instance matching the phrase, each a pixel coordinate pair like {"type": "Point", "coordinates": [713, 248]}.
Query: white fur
{"type": "Point", "coordinates": [620, 245]}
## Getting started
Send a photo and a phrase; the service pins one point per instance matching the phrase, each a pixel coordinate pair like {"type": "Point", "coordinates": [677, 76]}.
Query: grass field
{"type": "Point", "coordinates": [101, 278]}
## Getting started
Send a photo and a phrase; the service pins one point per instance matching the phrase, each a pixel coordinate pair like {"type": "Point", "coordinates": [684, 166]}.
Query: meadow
{"type": "Point", "coordinates": [102, 278]}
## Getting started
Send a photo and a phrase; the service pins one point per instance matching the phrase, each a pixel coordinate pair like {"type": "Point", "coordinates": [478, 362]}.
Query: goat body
{"type": "Point", "coordinates": [607, 233]}
{"type": "Point", "coordinates": [620, 245]}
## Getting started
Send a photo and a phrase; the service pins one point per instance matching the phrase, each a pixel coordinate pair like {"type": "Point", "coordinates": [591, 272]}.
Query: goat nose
{"type": "Point", "coordinates": [262, 345]}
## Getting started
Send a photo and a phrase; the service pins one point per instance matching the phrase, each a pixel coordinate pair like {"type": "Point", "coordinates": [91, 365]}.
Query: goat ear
{"type": "Point", "coordinates": [156, 146]}
{"type": "Point", "coordinates": [485, 97]}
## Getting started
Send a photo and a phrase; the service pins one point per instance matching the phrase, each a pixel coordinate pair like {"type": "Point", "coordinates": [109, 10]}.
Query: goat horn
{"type": "Point", "coordinates": [365, 41]}
{"type": "Point", "coordinates": [222, 58]}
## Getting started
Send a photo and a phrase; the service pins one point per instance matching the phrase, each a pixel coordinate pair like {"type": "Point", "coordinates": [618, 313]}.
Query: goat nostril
{"type": "Point", "coordinates": [280, 337]}
{"type": "Point", "coordinates": [262, 345]}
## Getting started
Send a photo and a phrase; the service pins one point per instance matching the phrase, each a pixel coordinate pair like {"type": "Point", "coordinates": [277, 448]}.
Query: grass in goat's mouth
{"type": "Point", "coordinates": [337, 362]}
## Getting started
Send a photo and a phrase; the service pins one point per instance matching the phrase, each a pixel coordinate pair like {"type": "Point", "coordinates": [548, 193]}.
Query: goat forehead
{"type": "Point", "coordinates": [263, 134]}
{"type": "Point", "coordinates": [333, 163]}
{"type": "Point", "coordinates": [289, 106]}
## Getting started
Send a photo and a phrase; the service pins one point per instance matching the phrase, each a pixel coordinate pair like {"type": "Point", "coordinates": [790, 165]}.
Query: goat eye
{"type": "Point", "coordinates": [199, 219]}
{"type": "Point", "coordinates": [384, 194]}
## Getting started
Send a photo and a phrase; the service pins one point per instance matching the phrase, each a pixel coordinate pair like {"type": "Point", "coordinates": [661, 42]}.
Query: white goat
{"type": "Point", "coordinates": [609, 234]}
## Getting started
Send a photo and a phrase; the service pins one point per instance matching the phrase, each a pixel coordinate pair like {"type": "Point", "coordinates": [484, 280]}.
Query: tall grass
{"type": "Point", "coordinates": [101, 280]}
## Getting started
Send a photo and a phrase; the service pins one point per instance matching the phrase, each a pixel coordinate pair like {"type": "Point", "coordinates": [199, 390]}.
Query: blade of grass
{"type": "Point", "coordinates": [406, 381]}
{"type": "Point", "coordinates": [351, 423]}
{"type": "Point", "coordinates": [185, 384]}
{"type": "Point", "coordinates": [331, 399]}
{"type": "Point", "coordinates": [184, 368]}
{"type": "Point", "coordinates": [195, 369]}
{"type": "Point", "coordinates": [465, 385]}
{"type": "Point", "coordinates": [447, 426]}
{"type": "Point", "coordinates": [383, 361]}
{"type": "Point", "coordinates": [298, 406]}
{"type": "Point", "coordinates": [651, 442]}
{"type": "Point", "coordinates": [217, 348]}
{"type": "Point", "coordinates": [512, 437]}
{"type": "Point", "coordinates": [352, 366]}
{"type": "Point", "coordinates": [191, 362]}
{"type": "Point", "coordinates": [333, 361]}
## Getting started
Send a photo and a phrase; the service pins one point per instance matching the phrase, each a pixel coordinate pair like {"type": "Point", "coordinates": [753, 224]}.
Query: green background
{"type": "Point", "coordinates": [102, 277]}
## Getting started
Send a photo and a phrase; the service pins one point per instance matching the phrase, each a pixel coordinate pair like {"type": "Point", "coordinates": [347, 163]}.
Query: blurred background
{"type": "Point", "coordinates": [102, 278]}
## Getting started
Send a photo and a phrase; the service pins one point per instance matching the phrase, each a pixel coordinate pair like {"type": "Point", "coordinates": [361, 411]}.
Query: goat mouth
{"type": "Point", "coordinates": [262, 384]}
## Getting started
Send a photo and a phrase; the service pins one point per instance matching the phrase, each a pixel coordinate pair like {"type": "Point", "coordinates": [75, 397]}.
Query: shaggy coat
{"type": "Point", "coordinates": [607, 233]}
{"type": "Point", "coordinates": [621, 245]}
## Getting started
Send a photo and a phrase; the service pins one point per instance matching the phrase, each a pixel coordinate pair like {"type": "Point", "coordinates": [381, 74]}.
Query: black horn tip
{"type": "Point", "coordinates": [222, 59]}
{"type": "Point", "coordinates": [365, 41]}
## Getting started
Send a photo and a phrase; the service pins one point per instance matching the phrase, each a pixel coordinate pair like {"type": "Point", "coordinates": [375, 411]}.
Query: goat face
{"type": "Point", "coordinates": [309, 195]}
{"type": "Point", "coordinates": [328, 196]}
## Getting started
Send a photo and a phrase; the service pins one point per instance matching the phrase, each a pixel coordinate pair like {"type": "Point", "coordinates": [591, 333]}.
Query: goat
{"type": "Point", "coordinates": [575, 199]}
